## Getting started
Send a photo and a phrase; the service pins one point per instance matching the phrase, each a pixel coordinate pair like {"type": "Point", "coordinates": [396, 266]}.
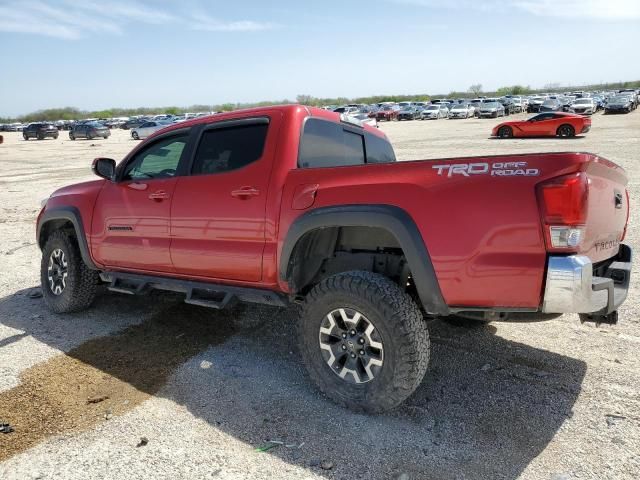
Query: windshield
{"type": "Point", "coordinates": [491, 104]}
{"type": "Point", "coordinates": [433, 107]}
{"type": "Point", "coordinates": [582, 101]}
{"type": "Point", "coordinates": [549, 103]}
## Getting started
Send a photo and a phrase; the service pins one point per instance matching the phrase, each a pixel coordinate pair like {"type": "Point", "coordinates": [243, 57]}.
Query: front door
{"type": "Point", "coordinates": [542, 124]}
{"type": "Point", "coordinates": [218, 212]}
{"type": "Point", "coordinates": [131, 218]}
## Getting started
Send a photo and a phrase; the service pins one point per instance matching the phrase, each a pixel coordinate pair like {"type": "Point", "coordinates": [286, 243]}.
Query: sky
{"type": "Point", "coordinates": [96, 54]}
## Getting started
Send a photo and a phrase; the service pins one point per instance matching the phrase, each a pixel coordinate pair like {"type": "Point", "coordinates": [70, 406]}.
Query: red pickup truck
{"type": "Point", "coordinates": [294, 204]}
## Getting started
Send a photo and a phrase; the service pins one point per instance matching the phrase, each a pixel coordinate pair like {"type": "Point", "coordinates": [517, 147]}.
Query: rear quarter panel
{"type": "Point", "coordinates": [483, 232]}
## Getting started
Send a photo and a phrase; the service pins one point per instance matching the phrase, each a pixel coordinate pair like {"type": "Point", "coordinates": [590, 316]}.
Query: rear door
{"type": "Point", "coordinates": [131, 217]}
{"type": "Point", "coordinates": [218, 213]}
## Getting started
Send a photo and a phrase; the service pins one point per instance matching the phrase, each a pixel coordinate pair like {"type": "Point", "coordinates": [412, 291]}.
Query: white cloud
{"type": "Point", "coordinates": [596, 9]}
{"type": "Point", "coordinates": [611, 10]}
{"type": "Point", "coordinates": [74, 19]}
{"type": "Point", "coordinates": [210, 24]}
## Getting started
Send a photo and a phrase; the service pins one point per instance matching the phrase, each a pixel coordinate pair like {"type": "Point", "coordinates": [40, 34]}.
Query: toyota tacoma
{"type": "Point", "coordinates": [291, 204]}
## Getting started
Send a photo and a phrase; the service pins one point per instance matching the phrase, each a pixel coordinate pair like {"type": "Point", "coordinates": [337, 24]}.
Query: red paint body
{"type": "Point", "coordinates": [483, 231]}
{"type": "Point", "coordinates": [546, 128]}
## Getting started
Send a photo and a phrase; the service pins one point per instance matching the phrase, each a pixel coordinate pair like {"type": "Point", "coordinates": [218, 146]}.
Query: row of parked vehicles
{"type": "Point", "coordinates": [584, 103]}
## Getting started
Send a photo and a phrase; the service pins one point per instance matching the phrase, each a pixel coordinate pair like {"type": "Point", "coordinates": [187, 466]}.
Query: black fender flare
{"type": "Point", "coordinates": [391, 218]}
{"type": "Point", "coordinates": [71, 214]}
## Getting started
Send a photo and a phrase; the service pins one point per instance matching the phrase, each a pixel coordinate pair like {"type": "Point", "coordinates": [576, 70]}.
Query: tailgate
{"type": "Point", "coordinates": [607, 209]}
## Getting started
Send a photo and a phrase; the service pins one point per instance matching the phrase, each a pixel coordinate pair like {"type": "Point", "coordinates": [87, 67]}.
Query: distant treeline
{"type": "Point", "coordinates": [70, 113]}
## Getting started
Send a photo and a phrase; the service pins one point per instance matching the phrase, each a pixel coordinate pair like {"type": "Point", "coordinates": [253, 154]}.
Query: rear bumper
{"type": "Point", "coordinates": [573, 287]}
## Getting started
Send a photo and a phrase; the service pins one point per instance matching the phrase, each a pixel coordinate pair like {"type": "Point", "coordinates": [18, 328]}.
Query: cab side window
{"type": "Point", "coordinates": [224, 149]}
{"type": "Point", "coordinates": [158, 160]}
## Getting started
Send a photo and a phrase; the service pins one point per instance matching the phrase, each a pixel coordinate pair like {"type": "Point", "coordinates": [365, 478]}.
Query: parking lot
{"type": "Point", "coordinates": [547, 400]}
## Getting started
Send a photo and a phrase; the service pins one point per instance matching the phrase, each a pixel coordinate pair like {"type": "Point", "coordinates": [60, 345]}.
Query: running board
{"type": "Point", "coordinates": [197, 293]}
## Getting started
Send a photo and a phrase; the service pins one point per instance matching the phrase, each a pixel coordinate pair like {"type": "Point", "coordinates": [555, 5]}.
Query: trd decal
{"type": "Point", "coordinates": [498, 169]}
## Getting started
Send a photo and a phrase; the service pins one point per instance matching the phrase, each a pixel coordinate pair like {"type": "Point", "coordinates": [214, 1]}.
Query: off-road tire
{"type": "Point", "coordinates": [81, 281]}
{"type": "Point", "coordinates": [399, 323]}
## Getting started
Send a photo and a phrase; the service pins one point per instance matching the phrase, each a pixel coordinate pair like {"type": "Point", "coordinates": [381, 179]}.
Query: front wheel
{"type": "Point", "coordinates": [72, 136]}
{"type": "Point", "coordinates": [505, 132]}
{"type": "Point", "coordinates": [363, 340]}
{"type": "Point", "coordinates": [25, 136]}
{"type": "Point", "coordinates": [68, 285]}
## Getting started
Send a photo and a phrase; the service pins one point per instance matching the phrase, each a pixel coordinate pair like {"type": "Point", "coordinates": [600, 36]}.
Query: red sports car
{"type": "Point", "coordinates": [548, 124]}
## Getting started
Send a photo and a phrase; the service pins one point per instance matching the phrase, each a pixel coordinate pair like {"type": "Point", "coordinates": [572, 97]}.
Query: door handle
{"type": "Point", "coordinates": [159, 195]}
{"type": "Point", "coordinates": [245, 192]}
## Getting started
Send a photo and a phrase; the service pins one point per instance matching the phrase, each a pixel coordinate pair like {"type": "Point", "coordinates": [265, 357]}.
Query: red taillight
{"type": "Point", "coordinates": [563, 200]}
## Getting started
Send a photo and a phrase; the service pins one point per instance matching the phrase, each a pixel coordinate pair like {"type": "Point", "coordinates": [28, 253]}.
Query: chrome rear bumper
{"type": "Point", "coordinates": [572, 287]}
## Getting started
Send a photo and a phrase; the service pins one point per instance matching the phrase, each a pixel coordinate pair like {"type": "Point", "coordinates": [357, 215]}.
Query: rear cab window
{"type": "Point", "coordinates": [330, 144]}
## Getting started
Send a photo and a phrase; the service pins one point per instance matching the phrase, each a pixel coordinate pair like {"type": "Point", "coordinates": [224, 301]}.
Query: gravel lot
{"type": "Point", "coordinates": [548, 400]}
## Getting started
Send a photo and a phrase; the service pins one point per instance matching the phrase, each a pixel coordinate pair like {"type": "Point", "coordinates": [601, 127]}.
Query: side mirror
{"type": "Point", "coordinates": [105, 168]}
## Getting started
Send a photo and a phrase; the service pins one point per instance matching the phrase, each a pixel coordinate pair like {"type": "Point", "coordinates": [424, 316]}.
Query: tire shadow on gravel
{"type": "Point", "coordinates": [486, 409]}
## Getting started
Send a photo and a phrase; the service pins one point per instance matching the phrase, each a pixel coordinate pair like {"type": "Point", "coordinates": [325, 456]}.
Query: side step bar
{"type": "Point", "coordinates": [197, 293]}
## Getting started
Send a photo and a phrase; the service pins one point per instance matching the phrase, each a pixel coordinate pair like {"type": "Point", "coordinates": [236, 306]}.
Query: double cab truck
{"type": "Point", "coordinates": [291, 204]}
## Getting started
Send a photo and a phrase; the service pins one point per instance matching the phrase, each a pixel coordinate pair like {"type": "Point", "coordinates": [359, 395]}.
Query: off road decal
{"type": "Point", "coordinates": [498, 169]}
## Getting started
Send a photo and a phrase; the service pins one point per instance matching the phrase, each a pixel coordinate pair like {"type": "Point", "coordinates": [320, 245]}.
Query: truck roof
{"type": "Point", "coordinates": [289, 110]}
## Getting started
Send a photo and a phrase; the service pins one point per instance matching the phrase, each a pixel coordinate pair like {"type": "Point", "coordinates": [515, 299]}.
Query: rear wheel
{"type": "Point", "coordinates": [566, 131]}
{"type": "Point", "coordinates": [505, 132]}
{"type": "Point", "coordinates": [363, 340]}
{"type": "Point", "coordinates": [68, 285]}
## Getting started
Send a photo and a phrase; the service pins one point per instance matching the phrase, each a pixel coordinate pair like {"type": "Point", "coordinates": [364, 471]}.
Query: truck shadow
{"type": "Point", "coordinates": [487, 407]}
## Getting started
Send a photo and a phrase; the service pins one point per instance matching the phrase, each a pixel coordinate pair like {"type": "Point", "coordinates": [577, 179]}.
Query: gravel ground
{"type": "Point", "coordinates": [547, 400]}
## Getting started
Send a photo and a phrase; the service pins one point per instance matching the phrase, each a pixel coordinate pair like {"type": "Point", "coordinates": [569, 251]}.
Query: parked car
{"type": "Point", "coordinates": [89, 131]}
{"type": "Point", "coordinates": [40, 130]}
{"type": "Point", "coordinates": [550, 124]}
{"type": "Point", "coordinates": [618, 104]}
{"type": "Point", "coordinates": [535, 103]}
{"type": "Point", "coordinates": [146, 129]}
{"type": "Point", "coordinates": [491, 109]}
{"type": "Point", "coordinates": [409, 113]}
{"type": "Point", "coordinates": [508, 105]}
{"type": "Point", "coordinates": [363, 119]}
{"type": "Point", "coordinates": [136, 122]}
{"type": "Point", "coordinates": [516, 105]}
{"type": "Point", "coordinates": [551, 105]}
{"type": "Point", "coordinates": [584, 106]}
{"type": "Point", "coordinates": [462, 110]}
{"type": "Point", "coordinates": [346, 109]}
{"type": "Point", "coordinates": [387, 112]}
{"type": "Point", "coordinates": [434, 112]}
{"type": "Point", "coordinates": [15, 127]}
{"type": "Point", "coordinates": [635, 98]}
{"type": "Point", "coordinates": [308, 223]}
